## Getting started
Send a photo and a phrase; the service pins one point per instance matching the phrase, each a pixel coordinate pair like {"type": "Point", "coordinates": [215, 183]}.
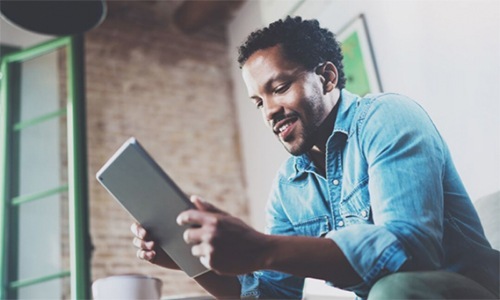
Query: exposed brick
{"type": "Point", "coordinates": [172, 92]}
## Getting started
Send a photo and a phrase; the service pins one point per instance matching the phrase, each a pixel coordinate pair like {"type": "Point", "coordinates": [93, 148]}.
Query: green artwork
{"type": "Point", "coordinates": [354, 66]}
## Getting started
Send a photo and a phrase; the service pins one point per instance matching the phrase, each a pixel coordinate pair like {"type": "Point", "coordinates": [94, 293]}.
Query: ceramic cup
{"type": "Point", "coordinates": [127, 287]}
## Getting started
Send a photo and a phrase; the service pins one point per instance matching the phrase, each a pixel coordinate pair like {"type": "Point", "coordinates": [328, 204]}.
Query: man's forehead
{"type": "Point", "coordinates": [266, 66]}
{"type": "Point", "coordinates": [268, 62]}
{"type": "Point", "coordinates": [262, 55]}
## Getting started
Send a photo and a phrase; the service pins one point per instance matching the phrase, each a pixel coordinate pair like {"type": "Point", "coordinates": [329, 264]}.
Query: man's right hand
{"type": "Point", "coordinates": [148, 250]}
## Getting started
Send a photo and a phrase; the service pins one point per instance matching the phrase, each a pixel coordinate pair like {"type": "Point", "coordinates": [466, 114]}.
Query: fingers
{"type": "Point", "coordinates": [142, 244]}
{"type": "Point", "coordinates": [202, 205]}
{"type": "Point", "coordinates": [146, 255]}
{"type": "Point", "coordinates": [145, 251]}
{"type": "Point", "coordinates": [203, 252]}
{"type": "Point", "coordinates": [197, 235]}
{"type": "Point", "coordinates": [205, 261]}
{"type": "Point", "coordinates": [195, 217]}
{"type": "Point", "coordinates": [138, 230]}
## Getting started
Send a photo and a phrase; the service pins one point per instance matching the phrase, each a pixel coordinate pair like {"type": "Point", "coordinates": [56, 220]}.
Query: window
{"type": "Point", "coordinates": [44, 239]}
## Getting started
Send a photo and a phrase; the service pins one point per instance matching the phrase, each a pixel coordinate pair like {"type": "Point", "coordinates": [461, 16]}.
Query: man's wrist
{"type": "Point", "coordinates": [269, 251]}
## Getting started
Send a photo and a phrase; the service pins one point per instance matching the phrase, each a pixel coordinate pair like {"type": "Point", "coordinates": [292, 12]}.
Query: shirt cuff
{"type": "Point", "coordinates": [373, 251]}
{"type": "Point", "coordinates": [270, 285]}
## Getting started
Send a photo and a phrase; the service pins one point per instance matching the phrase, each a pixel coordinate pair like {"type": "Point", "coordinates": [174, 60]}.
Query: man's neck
{"type": "Point", "coordinates": [318, 151]}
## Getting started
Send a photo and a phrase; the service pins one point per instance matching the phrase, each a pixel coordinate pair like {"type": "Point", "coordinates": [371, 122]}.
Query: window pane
{"type": "Point", "coordinates": [54, 289]}
{"type": "Point", "coordinates": [43, 237]}
{"type": "Point", "coordinates": [42, 157]}
{"type": "Point", "coordinates": [42, 85]}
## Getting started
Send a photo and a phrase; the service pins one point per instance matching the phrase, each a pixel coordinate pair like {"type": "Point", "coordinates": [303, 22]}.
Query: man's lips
{"type": "Point", "coordinates": [283, 127]}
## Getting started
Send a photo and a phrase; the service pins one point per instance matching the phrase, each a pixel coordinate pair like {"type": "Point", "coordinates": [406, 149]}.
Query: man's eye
{"type": "Point", "coordinates": [257, 102]}
{"type": "Point", "coordinates": [282, 88]}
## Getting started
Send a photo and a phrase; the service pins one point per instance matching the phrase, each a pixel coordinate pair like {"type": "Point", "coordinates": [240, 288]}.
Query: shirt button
{"type": "Point", "coordinates": [364, 213]}
{"type": "Point", "coordinates": [340, 223]}
{"type": "Point", "coordinates": [335, 182]}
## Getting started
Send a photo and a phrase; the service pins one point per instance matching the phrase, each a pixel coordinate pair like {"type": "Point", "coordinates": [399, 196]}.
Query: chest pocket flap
{"type": "Point", "coordinates": [355, 208]}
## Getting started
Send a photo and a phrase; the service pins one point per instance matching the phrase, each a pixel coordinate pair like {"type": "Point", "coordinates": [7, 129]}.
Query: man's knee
{"type": "Point", "coordinates": [395, 286]}
{"type": "Point", "coordinates": [427, 285]}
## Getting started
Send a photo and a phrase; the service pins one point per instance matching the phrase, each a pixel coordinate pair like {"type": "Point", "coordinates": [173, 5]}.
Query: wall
{"type": "Point", "coordinates": [173, 93]}
{"type": "Point", "coordinates": [262, 153]}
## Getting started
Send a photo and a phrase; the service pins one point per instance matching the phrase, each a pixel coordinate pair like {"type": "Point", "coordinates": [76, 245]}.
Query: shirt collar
{"type": "Point", "coordinates": [347, 108]}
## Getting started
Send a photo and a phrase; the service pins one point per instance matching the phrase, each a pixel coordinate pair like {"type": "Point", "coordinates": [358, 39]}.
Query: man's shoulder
{"type": "Point", "coordinates": [359, 106]}
{"type": "Point", "coordinates": [385, 99]}
{"type": "Point", "coordinates": [386, 105]}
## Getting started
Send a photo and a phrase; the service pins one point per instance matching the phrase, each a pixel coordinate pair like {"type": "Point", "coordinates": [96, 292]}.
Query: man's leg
{"type": "Point", "coordinates": [428, 285]}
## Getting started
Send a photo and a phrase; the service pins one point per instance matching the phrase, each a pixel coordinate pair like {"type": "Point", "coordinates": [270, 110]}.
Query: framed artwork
{"type": "Point", "coordinates": [359, 62]}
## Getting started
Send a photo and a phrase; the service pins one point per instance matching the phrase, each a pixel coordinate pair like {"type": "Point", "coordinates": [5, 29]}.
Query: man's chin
{"type": "Point", "coordinates": [293, 149]}
{"type": "Point", "coordinates": [299, 143]}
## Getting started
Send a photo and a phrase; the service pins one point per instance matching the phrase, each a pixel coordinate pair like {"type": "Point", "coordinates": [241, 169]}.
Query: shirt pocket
{"type": "Point", "coordinates": [355, 207]}
{"type": "Point", "coordinates": [315, 227]}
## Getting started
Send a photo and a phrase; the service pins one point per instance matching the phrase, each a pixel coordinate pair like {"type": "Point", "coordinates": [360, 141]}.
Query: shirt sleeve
{"type": "Point", "coordinates": [404, 156]}
{"type": "Point", "coordinates": [271, 284]}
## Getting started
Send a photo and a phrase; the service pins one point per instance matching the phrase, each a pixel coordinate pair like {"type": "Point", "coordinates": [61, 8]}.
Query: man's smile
{"type": "Point", "coordinates": [284, 127]}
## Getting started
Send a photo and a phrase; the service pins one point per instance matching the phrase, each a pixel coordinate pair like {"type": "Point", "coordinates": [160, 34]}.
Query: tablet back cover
{"type": "Point", "coordinates": [138, 183]}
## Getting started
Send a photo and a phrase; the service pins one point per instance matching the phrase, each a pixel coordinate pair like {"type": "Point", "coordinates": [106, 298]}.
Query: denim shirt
{"type": "Point", "coordinates": [391, 197]}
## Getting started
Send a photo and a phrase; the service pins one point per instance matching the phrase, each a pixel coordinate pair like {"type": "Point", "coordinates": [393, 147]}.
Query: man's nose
{"type": "Point", "coordinates": [271, 109]}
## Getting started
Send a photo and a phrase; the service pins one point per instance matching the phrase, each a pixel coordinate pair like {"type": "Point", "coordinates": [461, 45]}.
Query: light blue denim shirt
{"type": "Point", "coordinates": [391, 197]}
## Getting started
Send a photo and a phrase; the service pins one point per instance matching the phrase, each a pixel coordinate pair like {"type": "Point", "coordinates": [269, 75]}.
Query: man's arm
{"type": "Point", "coordinates": [228, 246]}
{"type": "Point", "coordinates": [303, 256]}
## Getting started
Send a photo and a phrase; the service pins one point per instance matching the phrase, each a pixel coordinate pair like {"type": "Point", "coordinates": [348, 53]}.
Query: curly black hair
{"type": "Point", "coordinates": [302, 41]}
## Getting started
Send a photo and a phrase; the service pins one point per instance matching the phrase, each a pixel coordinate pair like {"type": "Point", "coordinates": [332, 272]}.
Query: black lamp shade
{"type": "Point", "coordinates": [62, 17]}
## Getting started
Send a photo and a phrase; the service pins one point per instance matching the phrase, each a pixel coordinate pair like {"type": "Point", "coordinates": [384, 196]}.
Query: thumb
{"type": "Point", "coordinates": [202, 205]}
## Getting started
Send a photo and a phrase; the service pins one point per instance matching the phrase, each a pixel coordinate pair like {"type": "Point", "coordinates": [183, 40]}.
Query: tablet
{"type": "Point", "coordinates": [139, 184]}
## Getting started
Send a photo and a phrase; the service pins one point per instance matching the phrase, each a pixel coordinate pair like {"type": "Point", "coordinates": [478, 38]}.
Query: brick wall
{"type": "Point", "coordinates": [172, 92]}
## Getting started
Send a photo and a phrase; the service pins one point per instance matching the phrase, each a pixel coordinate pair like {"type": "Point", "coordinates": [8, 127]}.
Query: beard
{"type": "Point", "coordinates": [301, 143]}
{"type": "Point", "coordinates": [305, 138]}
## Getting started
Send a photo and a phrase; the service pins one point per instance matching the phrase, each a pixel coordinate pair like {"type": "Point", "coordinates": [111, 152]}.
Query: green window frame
{"type": "Point", "coordinates": [77, 185]}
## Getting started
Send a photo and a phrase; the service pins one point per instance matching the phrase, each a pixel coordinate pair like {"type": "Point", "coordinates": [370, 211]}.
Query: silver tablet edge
{"type": "Point", "coordinates": [122, 148]}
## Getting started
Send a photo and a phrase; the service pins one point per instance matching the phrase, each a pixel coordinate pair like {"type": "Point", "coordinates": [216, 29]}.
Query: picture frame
{"type": "Point", "coordinates": [360, 68]}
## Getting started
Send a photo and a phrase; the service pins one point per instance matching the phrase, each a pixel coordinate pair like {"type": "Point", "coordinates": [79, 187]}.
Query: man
{"type": "Point", "coordinates": [370, 200]}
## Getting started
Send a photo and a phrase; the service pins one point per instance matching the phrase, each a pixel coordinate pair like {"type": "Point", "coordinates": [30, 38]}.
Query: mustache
{"type": "Point", "coordinates": [283, 116]}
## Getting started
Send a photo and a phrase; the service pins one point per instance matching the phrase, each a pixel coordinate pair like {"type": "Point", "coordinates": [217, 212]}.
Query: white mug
{"type": "Point", "coordinates": [127, 287]}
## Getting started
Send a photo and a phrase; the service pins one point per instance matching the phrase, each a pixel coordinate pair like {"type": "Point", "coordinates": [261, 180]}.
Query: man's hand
{"type": "Point", "coordinates": [224, 244]}
{"type": "Point", "coordinates": [220, 286]}
{"type": "Point", "coordinates": [227, 246]}
{"type": "Point", "coordinates": [148, 250]}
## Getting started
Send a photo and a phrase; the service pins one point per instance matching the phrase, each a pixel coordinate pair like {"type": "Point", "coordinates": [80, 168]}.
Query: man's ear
{"type": "Point", "coordinates": [329, 76]}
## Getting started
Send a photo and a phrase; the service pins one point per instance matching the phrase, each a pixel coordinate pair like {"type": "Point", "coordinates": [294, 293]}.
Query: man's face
{"type": "Point", "coordinates": [290, 98]}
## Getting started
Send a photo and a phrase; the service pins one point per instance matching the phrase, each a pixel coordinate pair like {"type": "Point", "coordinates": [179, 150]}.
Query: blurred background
{"type": "Point", "coordinates": [166, 73]}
